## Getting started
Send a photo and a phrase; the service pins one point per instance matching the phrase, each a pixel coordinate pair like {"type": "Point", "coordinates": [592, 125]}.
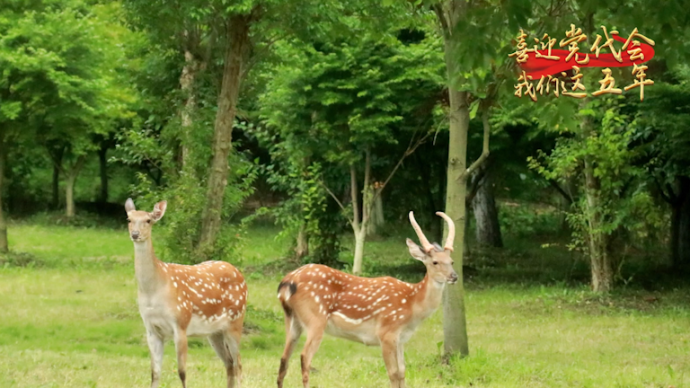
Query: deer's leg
{"type": "Point", "coordinates": [222, 343]}
{"type": "Point", "coordinates": [401, 365]}
{"type": "Point", "coordinates": [314, 336]}
{"type": "Point", "coordinates": [293, 330]}
{"type": "Point", "coordinates": [156, 346]}
{"type": "Point", "coordinates": [181, 349]}
{"type": "Point", "coordinates": [390, 348]}
{"type": "Point", "coordinates": [217, 341]}
{"type": "Point", "coordinates": [232, 341]}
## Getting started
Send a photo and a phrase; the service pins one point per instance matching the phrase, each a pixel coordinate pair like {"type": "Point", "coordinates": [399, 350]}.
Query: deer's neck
{"type": "Point", "coordinates": [430, 294]}
{"type": "Point", "coordinates": [146, 267]}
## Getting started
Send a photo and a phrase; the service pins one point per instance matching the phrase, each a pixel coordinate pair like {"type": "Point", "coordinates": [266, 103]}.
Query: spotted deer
{"type": "Point", "coordinates": [379, 311]}
{"type": "Point", "coordinates": [179, 301]}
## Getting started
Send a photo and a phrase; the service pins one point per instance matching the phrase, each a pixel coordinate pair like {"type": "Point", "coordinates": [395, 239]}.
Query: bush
{"type": "Point", "coordinates": [524, 220]}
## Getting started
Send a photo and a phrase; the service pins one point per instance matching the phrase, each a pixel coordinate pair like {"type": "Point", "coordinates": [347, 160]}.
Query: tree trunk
{"type": "Point", "coordinates": [69, 195]}
{"type": "Point", "coordinates": [302, 248]}
{"type": "Point", "coordinates": [488, 230]}
{"type": "Point", "coordinates": [235, 52]}
{"type": "Point", "coordinates": [56, 188]}
{"type": "Point", "coordinates": [454, 321]}
{"type": "Point", "coordinates": [56, 155]}
{"type": "Point", "coordinates": [70, 180]}
{"type": "Point", "coordinates": [602, 270]}
{"type": "Point", "coordinates": [360, 236]}
{"type": "Point", "coordinates": [377, 219]}
{"type": "Point", "coordinates": [103, 169]}
{"type": "Point", "coordinates": [187, 80]}
{"type": "Point", "coordinates": [359, 225]}
{"type": "Point", "coordinates": [680, 224]}
{"type": "Point", "coordinates": [3, 224]}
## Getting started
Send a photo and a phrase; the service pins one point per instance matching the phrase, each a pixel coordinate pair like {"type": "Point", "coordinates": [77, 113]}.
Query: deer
{"type": "Point", "coordinates": [381, 311]}
{"type": "Point", "coordinates": [180, 301]}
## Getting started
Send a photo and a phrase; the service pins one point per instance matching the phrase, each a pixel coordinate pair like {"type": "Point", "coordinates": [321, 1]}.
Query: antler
{"type": "Point", "coordinates": [451, 231]}
{"type": "Point", "coordinates": [426, 245]}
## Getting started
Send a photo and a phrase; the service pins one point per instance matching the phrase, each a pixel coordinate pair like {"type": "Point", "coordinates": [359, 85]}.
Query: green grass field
{"type": "Point", "coordinates": [73, 322]}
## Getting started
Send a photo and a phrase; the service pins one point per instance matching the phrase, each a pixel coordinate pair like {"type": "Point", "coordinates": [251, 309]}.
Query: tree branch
{"type": "Point", "coordinates": [409, 151]}
{"type": "Point", "coordinates": [367, 203]}
{"type": "Point", "coordinates": [485, 147]}
{"type": "Point", "coordinates": [441, 18]}
{"type": "Point", "coordinates": [336, 200]}
{"type": "Point", "coordinates": [355, 200]}
{"type": "Point", "coordinates": [558, 188]}
{"type": "Point", "coordinates": [475, 184]}
{"type": "Point", "coordinates": [56, 159]}
{"type": "Point", "coordinates": [77, 166]}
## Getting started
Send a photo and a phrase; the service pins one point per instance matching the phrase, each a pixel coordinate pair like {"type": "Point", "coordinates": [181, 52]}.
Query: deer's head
{"type": "Point", "coordinates": [439, 264]}
{"type": "Point", "coordinates": [140, 222]}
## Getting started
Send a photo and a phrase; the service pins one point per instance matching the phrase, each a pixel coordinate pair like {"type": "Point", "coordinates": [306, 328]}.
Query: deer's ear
{"type": "Point", "coordinates": [129, 206]}
{"type": "Point", "coordinates": [415, 250]}
{"type": "Point", "coordinates": [158, 210]}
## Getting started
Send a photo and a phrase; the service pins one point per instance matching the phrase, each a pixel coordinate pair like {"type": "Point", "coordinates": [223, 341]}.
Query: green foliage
{"type": "Point", "coordinates": [622, 202]}
{"type": "Point", "coordinates": [327, 102]}
{"type": "Point", "coordinates": [178, 234]}
{"type": "Point", "coordinates": [524, 221]}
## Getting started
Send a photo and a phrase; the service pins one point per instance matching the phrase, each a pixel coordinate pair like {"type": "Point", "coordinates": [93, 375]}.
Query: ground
{"type": "Point", "coordinates": [72, 321]}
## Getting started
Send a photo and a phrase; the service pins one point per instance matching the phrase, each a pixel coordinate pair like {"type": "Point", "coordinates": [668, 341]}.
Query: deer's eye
{"type": "Point", "coordinates": [148, 221]}
{"type": "Point", "coordinates": [435, 262]}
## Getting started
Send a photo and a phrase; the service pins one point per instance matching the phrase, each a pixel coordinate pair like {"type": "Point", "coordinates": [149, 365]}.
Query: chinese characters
{"type": "Point", "coordinates": [545, 68]}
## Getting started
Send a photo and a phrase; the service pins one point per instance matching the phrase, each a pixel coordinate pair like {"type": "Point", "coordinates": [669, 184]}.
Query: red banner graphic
{"type": "Point", "coordinates": [538, 63]}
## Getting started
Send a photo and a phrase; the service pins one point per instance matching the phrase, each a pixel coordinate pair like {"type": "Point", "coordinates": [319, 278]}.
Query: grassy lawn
{"type": "Point", "coordinates": [74, 323]}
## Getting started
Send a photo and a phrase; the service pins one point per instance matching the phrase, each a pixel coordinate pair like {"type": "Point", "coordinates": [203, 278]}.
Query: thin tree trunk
{"type": "Point", "coordinates": [302, 248]}
{"type": "Point", "coordinates": [70, 179]}
{"type": "Point", "coordinates": [56, 157]}
{"type": "Point", "coordinates": [359, 226]}
{"type": "Point", "coordinates": [488, 230]}
{"type": "Point", "coordinates": [238, 38]}
{"type": "Point", "coordinates": [602, 270]}
{"type": "Point", "coordinates": [376, 220]}
{"type": "Point", "coordinates": [3, 225]}
{"type": "Point", "coordinates": [597, 240]}
{"type": "Point", "coordinates": [56, 188]}
{"type": "Point", "coordinates": [187, 80]}
{"type": "Point", "coordinates": [103, 170]}
{"type": "Point", "coordinates": [680, 224]}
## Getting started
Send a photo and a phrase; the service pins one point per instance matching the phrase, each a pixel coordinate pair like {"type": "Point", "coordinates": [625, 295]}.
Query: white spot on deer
{"type": "Point", "coordinates": [348, 319]}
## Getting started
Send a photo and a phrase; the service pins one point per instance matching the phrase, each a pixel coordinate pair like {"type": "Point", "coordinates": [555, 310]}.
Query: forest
{"type": "Point", "coordinates": [283, 133]}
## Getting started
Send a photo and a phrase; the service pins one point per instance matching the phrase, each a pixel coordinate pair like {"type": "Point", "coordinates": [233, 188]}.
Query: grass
{"type": "Point", "coordinates": [71, 321]}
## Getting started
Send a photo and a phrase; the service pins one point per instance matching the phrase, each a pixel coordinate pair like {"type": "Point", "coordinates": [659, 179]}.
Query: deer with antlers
{"type": "Point", "coordinates": [380, 311]}
{"type": "Point", "coordinates": [177, 301]}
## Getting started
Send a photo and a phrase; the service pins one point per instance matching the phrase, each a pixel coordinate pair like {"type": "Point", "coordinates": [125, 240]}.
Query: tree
{"type": "Point", "coordinates": [661, 135]}
{"type": "Point", "coordinates": [457, 21]}
{"type": "Point", "coordinates": [351, 94]}
{"type": "Point", "coordinates": [56, 77]}
{"type": "Point", "coordinates": [604, 184]}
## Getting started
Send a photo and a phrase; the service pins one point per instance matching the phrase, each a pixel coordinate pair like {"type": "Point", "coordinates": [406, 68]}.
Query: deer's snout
{"type": "Point", "coordinates": [134, 234]}
{"type": "Point", "coordinates": [453, 278]}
